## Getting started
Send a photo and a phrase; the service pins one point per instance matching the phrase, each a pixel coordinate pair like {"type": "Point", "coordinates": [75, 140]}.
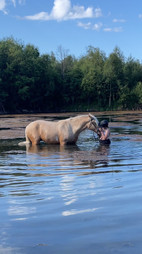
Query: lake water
{"type": "Point", "coordinates": [79, 199]}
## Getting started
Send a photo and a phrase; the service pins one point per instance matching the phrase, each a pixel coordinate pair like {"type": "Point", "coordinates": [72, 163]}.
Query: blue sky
{"type": "Point", "coordinates": [74, 25]}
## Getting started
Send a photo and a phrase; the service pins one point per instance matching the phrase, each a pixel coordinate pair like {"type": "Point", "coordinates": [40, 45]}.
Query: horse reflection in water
{"type": "Point", "coordinates": [47, 150]}
{"type": "Point", "coordinates": [94, 157]}
{"type": "Point", "coordinates": [51, 156]}
{"type": "Point", "coordinates": [62, 132]}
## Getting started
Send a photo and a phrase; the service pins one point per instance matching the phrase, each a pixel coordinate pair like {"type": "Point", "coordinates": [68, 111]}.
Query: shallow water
{"type": "Point", "coordinates": [78, 199]}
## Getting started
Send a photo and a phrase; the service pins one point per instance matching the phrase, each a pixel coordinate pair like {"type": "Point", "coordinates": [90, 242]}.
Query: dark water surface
{"type": "Point", "coordinates": [79, 199]}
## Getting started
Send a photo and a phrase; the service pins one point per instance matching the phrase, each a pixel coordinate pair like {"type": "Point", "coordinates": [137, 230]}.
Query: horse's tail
{"type": "Point", "coordinates": [25, 142]}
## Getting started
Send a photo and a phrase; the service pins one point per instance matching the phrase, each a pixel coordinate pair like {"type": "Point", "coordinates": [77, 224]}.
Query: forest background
{"type": "Point", "coordinates": [31, 82]}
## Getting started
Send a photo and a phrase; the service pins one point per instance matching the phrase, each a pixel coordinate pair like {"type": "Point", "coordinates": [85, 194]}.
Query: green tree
{"type": "Point", "coordinates": [132, 73]}
{"type": "Point", "coordinates": [10, 59]}
{"type": "Point", "coordinates": [92, 66]}
{"type": "Point", "coordinates": [113, 76]}
{"type": "Point", "coordinates": [138, 94]}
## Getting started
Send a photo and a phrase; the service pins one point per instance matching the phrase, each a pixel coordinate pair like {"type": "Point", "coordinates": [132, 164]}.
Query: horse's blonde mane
{"type": "Point", "coordinates": [79, 118]}
{"type": "Point", "coordinates": [73, 118]}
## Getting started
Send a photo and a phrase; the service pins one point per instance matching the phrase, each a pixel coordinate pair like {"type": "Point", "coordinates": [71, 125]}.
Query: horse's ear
{"type": "Point", "coordinates": [91, 116]}
{"type": "Point", "coordinates": [94, 118]}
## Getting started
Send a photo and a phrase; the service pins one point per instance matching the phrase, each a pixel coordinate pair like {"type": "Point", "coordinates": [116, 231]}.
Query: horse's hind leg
{"type": "Point", "coordinates": [28, 141]}
{"type": "Point", "coordinates": [35, 140]}
{"type": "Point", "coordinates": [32, 137]}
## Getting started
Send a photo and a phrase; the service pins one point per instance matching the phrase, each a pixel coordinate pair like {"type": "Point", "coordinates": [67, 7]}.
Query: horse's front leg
{"type": "Point", "coordinates": [63, 142]}
{"type": "Point", "coordinates": [63, 135]}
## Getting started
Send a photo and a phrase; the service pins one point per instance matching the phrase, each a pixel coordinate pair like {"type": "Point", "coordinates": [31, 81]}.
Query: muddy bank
{"type": "Point", "coordinates": [13, 126]}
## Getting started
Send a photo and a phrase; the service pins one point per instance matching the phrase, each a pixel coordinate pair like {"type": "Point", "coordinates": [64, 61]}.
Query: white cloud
{"type": "Point", "coordinates": [115, 29]}
{"type": "Point", "coordinates": [97, 26]}
{"type": "Point", "coordinates": [84, 25]}
{"type": "Point", "coordinates": [119, 20]}
{"type": "Point", "coordinates": [2, 5]}
{"type": "Point", "coordinates": [97, 13]}
{"type": "Point", "coordinates": [62, 10]}
{"type": "Point", "coordinates": [108, 29]}
{"type": "Point", "coordinates": [21, 1]}
{"type": "Point", "coordinates": [89, 25]}
{"type": "Point", "coordinates": [79, 12]}
{"type": "Point", "coordinates": [39, 16]}
{"type": "Point", "coordinates": [14, 2]}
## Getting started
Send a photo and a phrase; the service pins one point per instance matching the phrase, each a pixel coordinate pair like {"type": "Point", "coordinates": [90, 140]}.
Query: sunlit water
{"type": "Point", "coordinates": [81, 199]}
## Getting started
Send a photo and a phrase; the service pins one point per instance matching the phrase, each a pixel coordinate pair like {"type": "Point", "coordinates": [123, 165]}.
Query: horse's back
{"type": "Point", "coordinates": [33, 126]}
{"type": "Point", "coordinates": [40, 130]}
{"type": "Point", "coordinates": [39, 124]}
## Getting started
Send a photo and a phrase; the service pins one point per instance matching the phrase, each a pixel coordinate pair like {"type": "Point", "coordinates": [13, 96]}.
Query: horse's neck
{"type": "Point", "coordinates": [79, 123]}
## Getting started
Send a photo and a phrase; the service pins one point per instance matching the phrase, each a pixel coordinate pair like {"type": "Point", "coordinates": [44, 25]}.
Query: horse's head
{"type": "Point", "coordinates": [93, 124]}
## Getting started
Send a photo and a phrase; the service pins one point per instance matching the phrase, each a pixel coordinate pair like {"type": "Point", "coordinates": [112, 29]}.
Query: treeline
{"type": "Point", "coordinates": [30, 82]}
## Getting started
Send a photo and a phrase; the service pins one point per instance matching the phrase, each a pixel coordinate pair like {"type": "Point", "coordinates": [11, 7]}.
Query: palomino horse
{"type": "Point", "coordinates": [61, 132]}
